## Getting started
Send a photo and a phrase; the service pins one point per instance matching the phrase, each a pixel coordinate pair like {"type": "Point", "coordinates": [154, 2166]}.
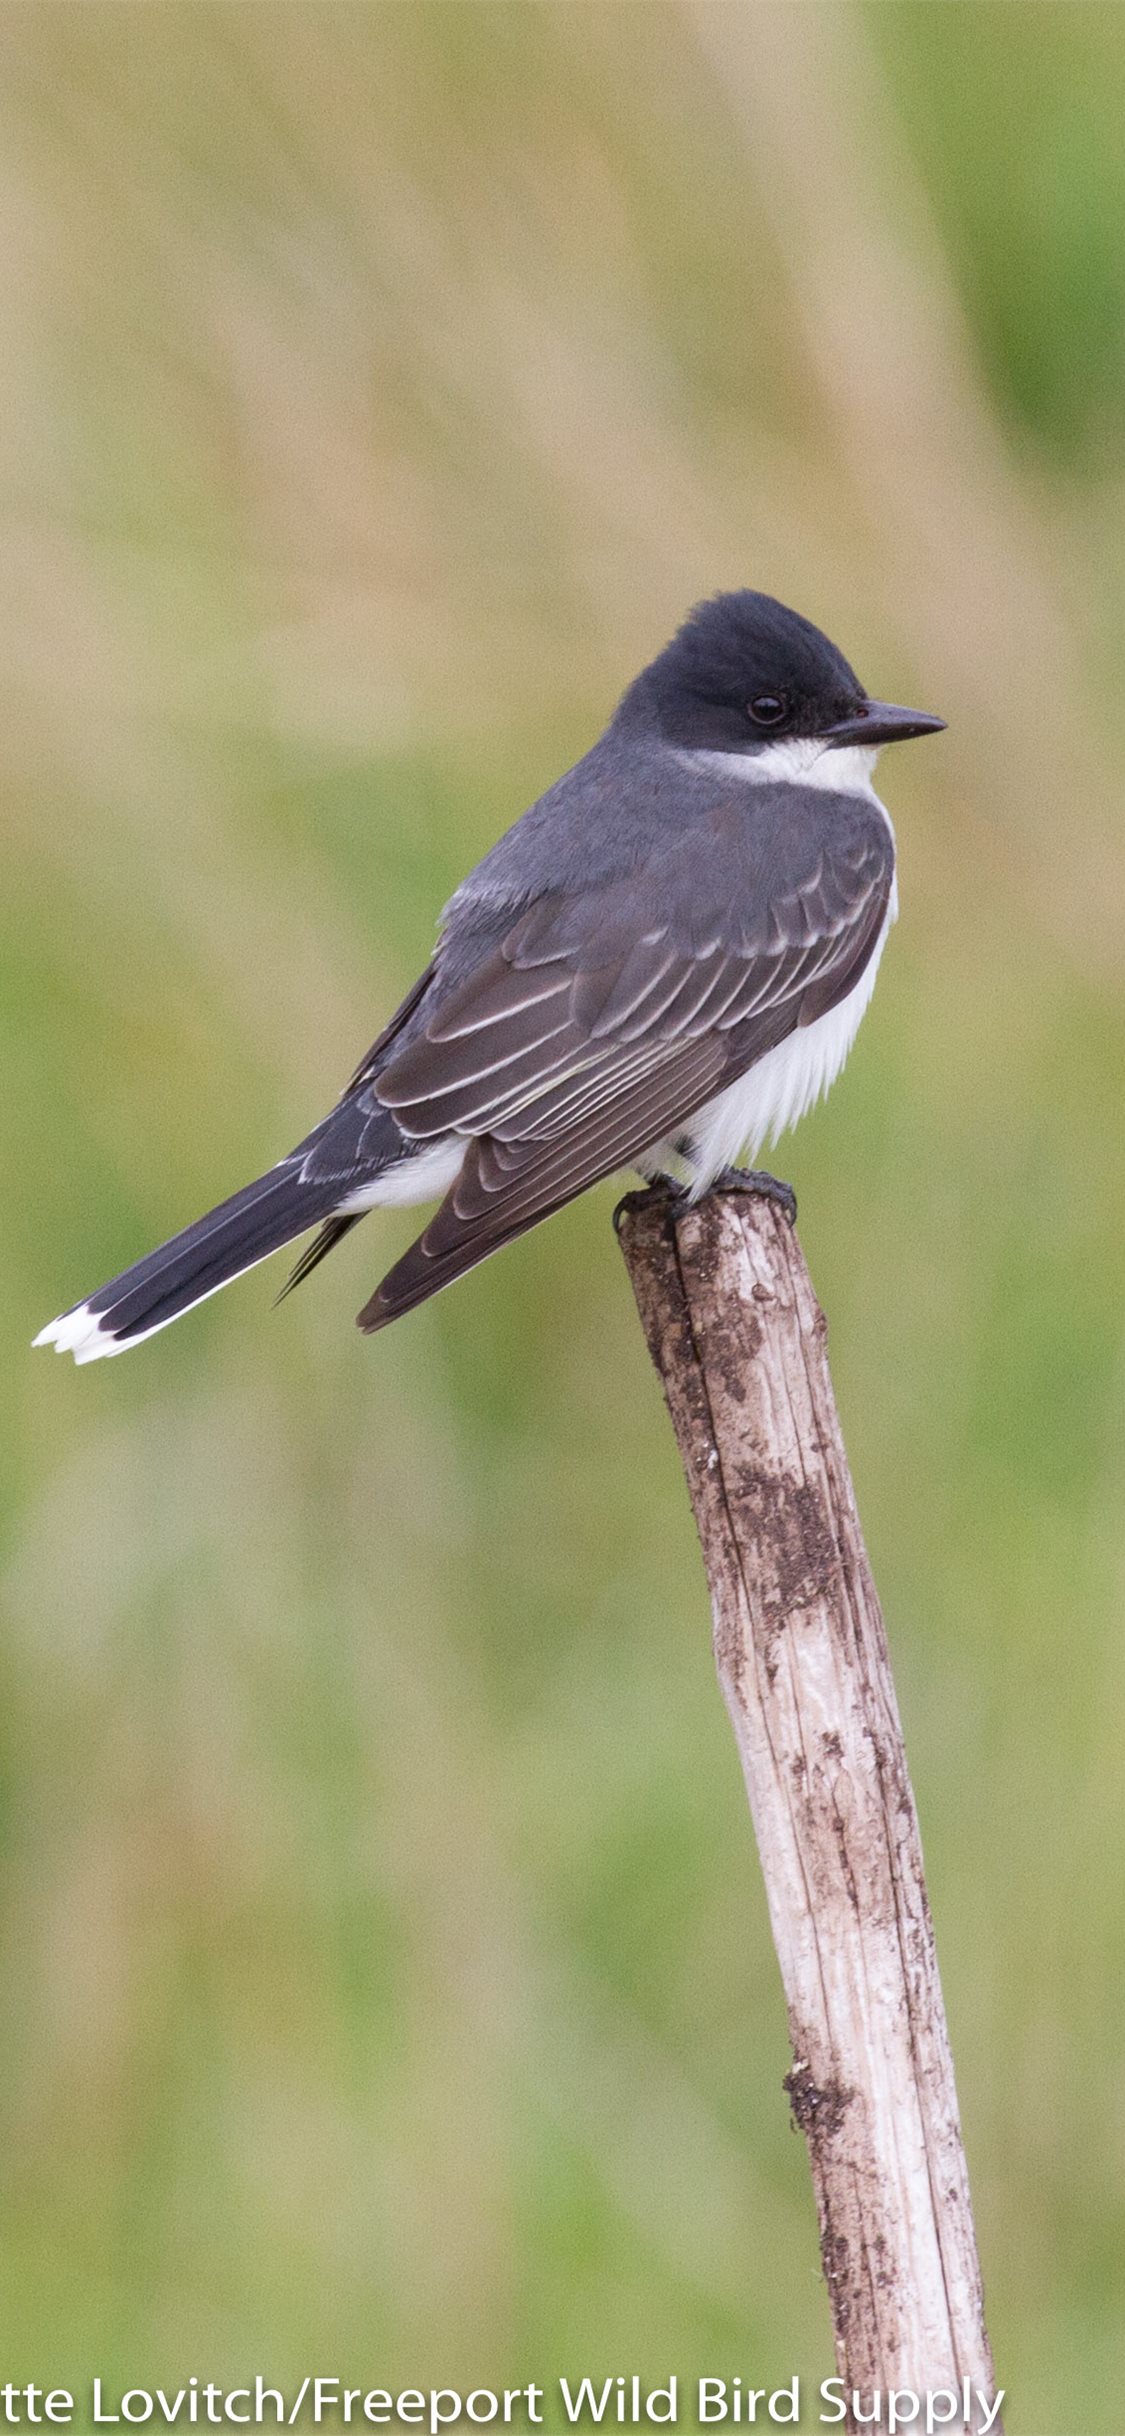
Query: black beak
{"type": "Point", "coordinates": [881, 723]}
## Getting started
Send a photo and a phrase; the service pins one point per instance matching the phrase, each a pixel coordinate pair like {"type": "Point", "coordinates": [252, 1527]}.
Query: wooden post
{"type": "Point", "coordinates": [740, 1344]}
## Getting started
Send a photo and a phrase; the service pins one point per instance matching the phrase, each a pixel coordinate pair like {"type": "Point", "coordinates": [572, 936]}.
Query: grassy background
{"type": "Point", "coordinates": [387, 1982]}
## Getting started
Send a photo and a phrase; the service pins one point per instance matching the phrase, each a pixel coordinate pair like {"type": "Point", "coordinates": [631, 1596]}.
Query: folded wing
{"type": "Point", "coordinates": [601, 1023]}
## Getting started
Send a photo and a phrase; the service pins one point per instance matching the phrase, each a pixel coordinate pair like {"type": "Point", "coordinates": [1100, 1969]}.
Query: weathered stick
{"type": "Point", "coordinates": [739, 1342]}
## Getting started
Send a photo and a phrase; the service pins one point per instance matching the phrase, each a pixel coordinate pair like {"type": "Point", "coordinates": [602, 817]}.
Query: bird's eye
{"type": "Point", "coordinates": [767, 709]}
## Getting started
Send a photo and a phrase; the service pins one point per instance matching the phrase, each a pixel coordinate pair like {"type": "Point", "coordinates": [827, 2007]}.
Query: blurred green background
{"type": "Point", "coordinates": [387, 1985]}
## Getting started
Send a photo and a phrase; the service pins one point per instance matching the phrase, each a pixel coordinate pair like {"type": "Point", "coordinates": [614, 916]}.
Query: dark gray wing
{"type": "Point", "coordinates": [376, 1054]}
{"type": "Point", "coordinates": [604, 1020]}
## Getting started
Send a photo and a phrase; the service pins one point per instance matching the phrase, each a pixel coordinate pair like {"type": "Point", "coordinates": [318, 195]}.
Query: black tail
{"type": "Point", "coordinates": [235, 1236]}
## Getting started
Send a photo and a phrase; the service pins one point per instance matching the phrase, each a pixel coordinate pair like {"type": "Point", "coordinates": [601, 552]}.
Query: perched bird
{"type": "Point", "coordinates": [661, 966]}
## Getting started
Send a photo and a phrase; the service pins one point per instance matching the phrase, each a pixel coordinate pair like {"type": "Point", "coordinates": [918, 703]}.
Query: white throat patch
{"type": "Point", "coordinates": [804, 761]}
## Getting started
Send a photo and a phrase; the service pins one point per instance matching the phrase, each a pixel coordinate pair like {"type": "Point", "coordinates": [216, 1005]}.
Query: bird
{"type": "Point", "coordinates": [660, 967]}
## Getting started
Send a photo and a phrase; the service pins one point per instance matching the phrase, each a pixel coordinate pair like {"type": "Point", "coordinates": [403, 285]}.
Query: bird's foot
{"type": "Point", "coordinates": [663, 1193]}
{"type": "Point", "coordinates": [764, 1187]}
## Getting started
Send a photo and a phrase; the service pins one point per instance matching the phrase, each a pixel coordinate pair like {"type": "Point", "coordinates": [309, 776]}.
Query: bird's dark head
{"type": "Point", "coordinates": [745, 674]}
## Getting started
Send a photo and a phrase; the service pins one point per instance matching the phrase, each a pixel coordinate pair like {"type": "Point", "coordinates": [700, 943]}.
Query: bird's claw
{"type": "Point", "coordinates": [764, 1187]}
{"type": "Point", "coordinates": [663, 1192]}
{"type": "Point", "coordinates": [675, 1198]}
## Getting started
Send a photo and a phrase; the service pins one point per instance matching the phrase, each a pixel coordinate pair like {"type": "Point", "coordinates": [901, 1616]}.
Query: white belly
{"type": "Point", "coordinates": [774, 1094]}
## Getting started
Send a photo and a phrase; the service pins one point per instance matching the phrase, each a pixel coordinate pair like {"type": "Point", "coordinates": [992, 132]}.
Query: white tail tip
{"type": "Point", "coordinates": [84, 1334]}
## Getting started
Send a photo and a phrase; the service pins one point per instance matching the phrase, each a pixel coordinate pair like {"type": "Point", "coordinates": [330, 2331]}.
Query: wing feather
{"type": "Point", "coordinates": [597, 1028]}
{"type": "Point", "coordinates": [506, 1187]}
